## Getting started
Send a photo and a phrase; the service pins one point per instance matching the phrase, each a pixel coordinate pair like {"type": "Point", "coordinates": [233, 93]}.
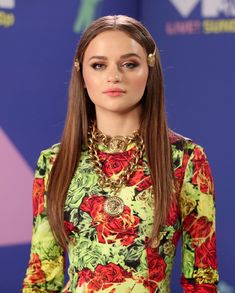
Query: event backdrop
{"type": "Point", "coordinates": [196, 39]}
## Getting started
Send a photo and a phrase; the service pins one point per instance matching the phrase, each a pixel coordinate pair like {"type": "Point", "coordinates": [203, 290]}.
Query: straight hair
{"type": "Point", "coordinates": [81, 111]}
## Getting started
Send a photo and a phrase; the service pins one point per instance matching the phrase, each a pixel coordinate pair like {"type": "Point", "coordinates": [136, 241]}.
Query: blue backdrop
{"type": "Point", "coordinates": [197, 44]}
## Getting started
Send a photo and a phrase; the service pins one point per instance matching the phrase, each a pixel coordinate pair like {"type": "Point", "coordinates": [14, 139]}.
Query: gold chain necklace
{"type": "Point", "coordinates": [113, 205]}
{"type": "Point", "coordinates": [115, 144]}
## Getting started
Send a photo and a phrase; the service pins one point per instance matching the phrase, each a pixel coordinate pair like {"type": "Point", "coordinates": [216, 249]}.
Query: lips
{"type": "Point", "coordinates": [114, 92]}
{"type": "Point", "coordinates": [116, 89]}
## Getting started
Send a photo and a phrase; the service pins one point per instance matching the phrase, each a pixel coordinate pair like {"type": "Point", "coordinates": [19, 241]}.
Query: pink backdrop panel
{"type": "Point", "coordinates": [16, 178]}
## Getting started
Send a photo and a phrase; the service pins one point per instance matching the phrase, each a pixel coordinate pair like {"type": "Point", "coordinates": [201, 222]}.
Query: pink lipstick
{"type": "Point", "coordinates": [114, 92]}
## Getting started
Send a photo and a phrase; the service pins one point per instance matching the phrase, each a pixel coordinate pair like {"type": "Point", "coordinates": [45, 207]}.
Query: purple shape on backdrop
{"type": "Point", "coordinates": [16, 179]}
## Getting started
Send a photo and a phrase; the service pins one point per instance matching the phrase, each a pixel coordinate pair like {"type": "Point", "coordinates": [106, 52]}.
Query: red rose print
{"type": "Point", "coordinates": [185, 162]}
{"type": "Point", "coordinates": [178, 173]}
{"type": "Point", "coordinates": [69, 227]}
{"type": "Point", "coordinates": [206, 254]}
{"type": "Point", "coordinates": [144, 184]}
{"type": "Point", "coordinates": [36, 275]}
{"type": "Point", "coordinates": [95, 285]}
{"type": "Point", "coordinates": [114, 163]}
{"type": "Point", "coordinates": [202, 177]}
{"type": "Point", "coordinates": [136, 177]}
{"type": "Point", "coordinates": [172, 214]}
{"type": "Point", "coordinates": [176, 237]}
{"type": "Point", "coordinates": [178, 180]}
{"type": "Point", "coordinates": [38, 196]}
{"type": "Point", "coordinates": [114, 166]}
{"type": "Point", "coordinates": [141, 180]}
{"type": "Point", "coordinates": [84, 276]}
{"type": "Point", "coordinates": [156, 267]}
{"type": "Point", "coordinates": [202, 173]}
{"type": "Point", "coordinates": [111, 273]}
{"type": "Point", "coordinates": [199, 155]}
{"type": "Point", "coordinates": [110, 229]}
{"type": "Point", "coordinates": [152, 285]}
{"type": "Point", "coordinates": [200, 288]}
{"type": "Point", "coordinates": [197, 227]}
{"type": "Point", "coordinates": [94, 205]}
{"type": "Point", "coordinates": [105, 276]}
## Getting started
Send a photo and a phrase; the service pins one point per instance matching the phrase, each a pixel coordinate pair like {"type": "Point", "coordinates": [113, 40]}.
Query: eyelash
{"type": "Point", "coordinates": [128, 65]}
{"type": "Point", "coordinates": [97, 66]}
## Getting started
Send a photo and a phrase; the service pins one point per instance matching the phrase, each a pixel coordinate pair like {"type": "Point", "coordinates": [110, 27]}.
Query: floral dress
{"type": "Point", "coordinates": [112, 254]}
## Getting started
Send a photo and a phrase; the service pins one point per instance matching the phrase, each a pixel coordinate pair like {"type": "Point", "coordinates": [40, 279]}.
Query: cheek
{"type": "Point", "coordinates": [91, 83]}
{"type": "Point", "coordinates": [92, 86]}
{"type": "Point", "coordinates": [139, 84]}
{"type": "Point", "coordinates": [88, 80]}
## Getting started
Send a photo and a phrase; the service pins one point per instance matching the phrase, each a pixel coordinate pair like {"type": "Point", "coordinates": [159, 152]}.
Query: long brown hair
{"type": "Point", "coordinates": [81, 110]}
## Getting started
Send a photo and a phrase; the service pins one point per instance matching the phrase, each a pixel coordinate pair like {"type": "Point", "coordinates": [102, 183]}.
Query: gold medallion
{"type": "Point", "coordinates": [117, 144]}
{"type": "Point", "coordinates": [113, 206]}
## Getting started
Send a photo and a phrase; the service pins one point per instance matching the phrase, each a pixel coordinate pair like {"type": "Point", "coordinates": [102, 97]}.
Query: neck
{"type": "Point", "coordinates": [113, 124]}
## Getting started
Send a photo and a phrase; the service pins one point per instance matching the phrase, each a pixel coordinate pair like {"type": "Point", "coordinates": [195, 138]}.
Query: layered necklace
{"type": "Point", "coordinates": [114, 205]}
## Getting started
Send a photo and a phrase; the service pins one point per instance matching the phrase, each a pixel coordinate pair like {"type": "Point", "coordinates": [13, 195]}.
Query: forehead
{"type": "Point", "coordinates": [113, 41]}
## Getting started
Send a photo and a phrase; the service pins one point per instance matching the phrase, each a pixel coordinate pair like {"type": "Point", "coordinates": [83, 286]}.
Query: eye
{"type": "Point", "coordinates": [130, 65]}
{"type": "Point", "coordinates": [98, 66]}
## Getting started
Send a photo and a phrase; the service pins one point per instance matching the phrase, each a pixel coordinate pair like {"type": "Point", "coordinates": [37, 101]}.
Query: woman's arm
{"type": "Point", "coordinates": [45, 272]}
{"type": "Point", "coordinates": [197, 204]}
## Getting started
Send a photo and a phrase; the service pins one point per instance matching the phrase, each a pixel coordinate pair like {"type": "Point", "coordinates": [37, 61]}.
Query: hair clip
{"type": "Point", "coordinates": [151, 58]}
{"type": "Point", "coordinates": [76, 64]}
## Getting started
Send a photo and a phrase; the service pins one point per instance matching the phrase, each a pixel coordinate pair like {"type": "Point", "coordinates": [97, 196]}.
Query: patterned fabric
{"type": "Point", "coordinates": [111, 254]}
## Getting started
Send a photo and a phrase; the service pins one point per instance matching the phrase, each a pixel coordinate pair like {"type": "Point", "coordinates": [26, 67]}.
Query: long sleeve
{"type": "Point", "coordinates": [45, 272]}
{"type": "Point", "coordinates": [197, 205]}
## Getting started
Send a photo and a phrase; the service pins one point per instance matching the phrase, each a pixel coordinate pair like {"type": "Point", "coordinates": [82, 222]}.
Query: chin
{"type": "Point", "coordinates": [121, 109]}
{"type": "Point", "coordinates": [118, 108]}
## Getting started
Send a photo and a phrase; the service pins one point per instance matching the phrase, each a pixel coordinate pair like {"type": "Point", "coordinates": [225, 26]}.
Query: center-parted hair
{"type": "Point", "coordinates": [81, 111]}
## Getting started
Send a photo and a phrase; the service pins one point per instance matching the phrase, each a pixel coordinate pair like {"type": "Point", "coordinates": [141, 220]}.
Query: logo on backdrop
{"type": "Point", "coordinates": [7, 18]}
{"type": "Point", "coordinates": [85, 15]}
{"type": "Point", "coordinates": [215, 17]}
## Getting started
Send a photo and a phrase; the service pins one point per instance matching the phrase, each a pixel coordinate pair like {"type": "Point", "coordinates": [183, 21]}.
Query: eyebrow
{"type": "Point", "coordinates": [122, 57]}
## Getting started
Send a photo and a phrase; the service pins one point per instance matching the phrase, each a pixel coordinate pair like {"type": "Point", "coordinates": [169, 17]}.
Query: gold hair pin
{"type": "Point", "coordinates": [151, 59]}
{"type": "Point", "coordinates": [76, 64]}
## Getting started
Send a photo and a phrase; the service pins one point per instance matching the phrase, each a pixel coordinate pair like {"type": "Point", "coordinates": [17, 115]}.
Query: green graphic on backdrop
{"type": "Point", "coordinates": [7, 19]}
{"type": "Point", "coordinates": [85, 15]}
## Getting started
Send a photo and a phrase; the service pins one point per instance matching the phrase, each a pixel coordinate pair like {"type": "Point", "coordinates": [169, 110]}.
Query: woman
{"type": "Point", "coordinates": [121, 188]}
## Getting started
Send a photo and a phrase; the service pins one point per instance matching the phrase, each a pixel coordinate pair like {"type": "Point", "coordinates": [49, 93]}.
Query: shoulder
{"type": "Point", "coordinates": [46, 160]}
{"type": "Point", "coordinates": [184, 149]}
{"type": "Point", "coordinates": [181, 143]}
{"type": "Point", "coordinates": [51, 151]}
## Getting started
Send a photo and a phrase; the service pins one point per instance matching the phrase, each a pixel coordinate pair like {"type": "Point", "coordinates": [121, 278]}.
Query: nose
{"type": "Point", "coordinates": [114, 75]}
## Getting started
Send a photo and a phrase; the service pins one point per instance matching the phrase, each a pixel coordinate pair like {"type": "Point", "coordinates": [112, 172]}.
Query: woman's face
{"type": "Point", "coordinates": [115, 72]}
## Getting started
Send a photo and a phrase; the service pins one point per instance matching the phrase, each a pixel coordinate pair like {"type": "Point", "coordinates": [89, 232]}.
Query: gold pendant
{"type": "Point", "coordinates": [113, 206]}
{"type": "Point", "coordinates": [117, 144]}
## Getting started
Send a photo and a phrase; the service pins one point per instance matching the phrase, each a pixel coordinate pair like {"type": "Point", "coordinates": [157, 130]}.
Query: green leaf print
{"type": "Point", "coordinates": [90, 255]}
{"type": "Point", "coordinates": [192, 191]}
{"type": "Point", "coordinates": [80, 185]}
{"type": "Point", "coordinates": [187, 263]}
{"type": "Point", "coordinates": [134, 252]}
{"type": "Point", "coordinates": [43, 240]}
